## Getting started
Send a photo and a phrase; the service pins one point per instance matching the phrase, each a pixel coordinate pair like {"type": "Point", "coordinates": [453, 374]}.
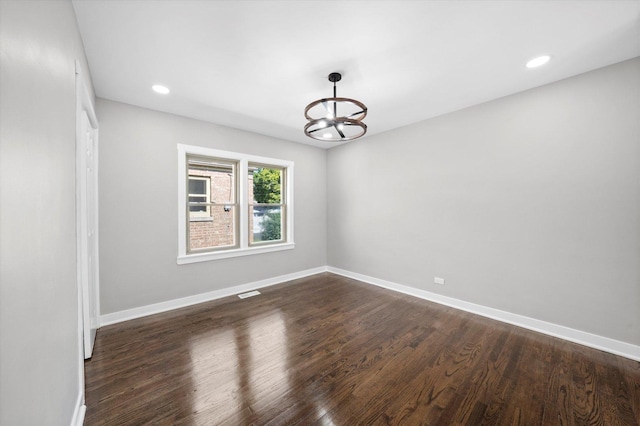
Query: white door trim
{"type": "Point", "coordinates": [85, 109]}
{"type": "Point", "coordinates": [84, 105]}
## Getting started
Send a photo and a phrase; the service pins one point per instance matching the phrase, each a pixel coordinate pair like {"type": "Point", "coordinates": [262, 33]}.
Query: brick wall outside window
{"type": "Point", "coordinates": [216, 229]}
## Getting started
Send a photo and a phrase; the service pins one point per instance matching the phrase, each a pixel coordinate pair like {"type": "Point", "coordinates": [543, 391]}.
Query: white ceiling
{"type": "Point", "coordinates": [255, 65]}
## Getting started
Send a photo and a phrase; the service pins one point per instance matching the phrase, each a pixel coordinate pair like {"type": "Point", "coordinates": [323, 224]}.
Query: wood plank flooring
{"type": "Point", "coordinates": [328, 350]}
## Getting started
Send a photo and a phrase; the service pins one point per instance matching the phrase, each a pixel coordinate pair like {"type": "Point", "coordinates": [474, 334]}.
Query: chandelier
{"type": "Point", "coordinates": [335, 119]}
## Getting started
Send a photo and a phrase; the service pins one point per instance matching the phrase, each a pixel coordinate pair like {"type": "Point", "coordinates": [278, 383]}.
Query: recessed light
{"type": "Point", "coordinates": [326, 135]}
{"type": "Point", "coordinates": [539, 61]}
{"type": "Point", "coordinates": [160, 89]}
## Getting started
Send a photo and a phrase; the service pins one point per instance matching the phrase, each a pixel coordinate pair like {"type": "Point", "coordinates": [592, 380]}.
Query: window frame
{"type": "Point", "coordinates": [244, 248]}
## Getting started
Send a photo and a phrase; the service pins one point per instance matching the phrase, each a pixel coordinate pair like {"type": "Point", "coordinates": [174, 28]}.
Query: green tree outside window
{"type": "Point", "coordinates": [267, 189]}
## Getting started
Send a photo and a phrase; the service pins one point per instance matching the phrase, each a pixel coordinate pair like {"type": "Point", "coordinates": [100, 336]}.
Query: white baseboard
{"type": "Point", "coordinates": [169, 305]}
{"type": "Point", "coordinates": [606, 344]}
{"type": "Point", "coordinates": [79, 411]}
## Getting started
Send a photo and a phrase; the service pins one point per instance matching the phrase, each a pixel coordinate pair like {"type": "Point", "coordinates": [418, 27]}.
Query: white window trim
{"type": "Point", "coordinates": [244, 249]}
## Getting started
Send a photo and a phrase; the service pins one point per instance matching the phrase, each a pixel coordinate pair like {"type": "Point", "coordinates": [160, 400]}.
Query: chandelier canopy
{"type": "Point", "coordinates": [335, 119]}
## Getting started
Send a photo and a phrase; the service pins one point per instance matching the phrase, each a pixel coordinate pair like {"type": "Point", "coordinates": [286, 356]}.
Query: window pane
{"type": "Point", "coordinates": [265, 184]}
{"type": "Point", "coordinates": [265, 223]}
{"type": "Point", "coordinates": [198, 211]}
{"type": "Point", "coordinates": [197, 186]}
{"type": "Point", "coordinates": [212, 224]}
{"type": "Point", "coordinates": [215, 231]}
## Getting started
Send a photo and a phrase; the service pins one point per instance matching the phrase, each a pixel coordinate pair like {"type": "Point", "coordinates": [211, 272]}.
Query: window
{"type": "Point", "coordinates": [266, 203]}
{"type": "Point", "coordinates": [221, 215]}
{"type": "Point", "coordinates": [199, 196]}
{"type": "Point", "coordinates": [211, 203]}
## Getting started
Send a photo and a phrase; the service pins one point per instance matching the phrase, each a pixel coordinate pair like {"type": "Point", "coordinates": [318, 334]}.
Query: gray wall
{"type": "Point", "coordinates": [528, 204]}
{"type": "Point", "coordinates": [39, 359]}
{"type": "Point", "coordinates": [138, 208]}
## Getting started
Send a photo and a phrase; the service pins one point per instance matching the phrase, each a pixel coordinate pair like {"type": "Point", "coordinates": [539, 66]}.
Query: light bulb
{"type": "Point", "coordinates": [160, 89]}
{"type": "Point", "coordinates": [539, 61]}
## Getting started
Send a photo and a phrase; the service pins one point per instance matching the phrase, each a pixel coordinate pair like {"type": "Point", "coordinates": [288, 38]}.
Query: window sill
{"type": "Point", "coordinates": [204, 257]}
{"type": "Point", "coordinates": [201, 219]}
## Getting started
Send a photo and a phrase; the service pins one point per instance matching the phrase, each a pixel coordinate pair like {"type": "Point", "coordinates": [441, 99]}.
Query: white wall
{"type": "Point", "coordinates": [528, 204]}
{"type": "Point", "coordinates": [39, 359]}
{"type": "Point", "coordinates": [138, 208]}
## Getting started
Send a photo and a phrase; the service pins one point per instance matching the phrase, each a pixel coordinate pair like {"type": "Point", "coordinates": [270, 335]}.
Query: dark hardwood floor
{"type": "Point", "coordinates": [328, 350]}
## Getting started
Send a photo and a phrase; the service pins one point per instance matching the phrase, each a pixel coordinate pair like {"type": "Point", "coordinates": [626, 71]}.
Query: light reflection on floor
{"type": "Point", "coordinates": [324, 419]}
{"type": "Point", "coordinates": [240, 367]}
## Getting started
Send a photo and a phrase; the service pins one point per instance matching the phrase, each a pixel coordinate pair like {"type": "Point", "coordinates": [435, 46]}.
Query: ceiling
{"type": "Point", "coordinates": [255, 65]}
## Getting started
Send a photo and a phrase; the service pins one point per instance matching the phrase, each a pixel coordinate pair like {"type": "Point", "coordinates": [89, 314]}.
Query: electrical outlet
{"type": "Point", "coordinates": [438, 280]}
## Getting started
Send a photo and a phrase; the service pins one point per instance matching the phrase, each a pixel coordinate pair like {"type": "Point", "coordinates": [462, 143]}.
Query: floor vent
{"type": "Point", "coordinates": [249, 294]}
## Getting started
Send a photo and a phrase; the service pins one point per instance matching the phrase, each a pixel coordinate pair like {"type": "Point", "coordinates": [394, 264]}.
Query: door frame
{"type": "Point", "coordinates": [84, 104]}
